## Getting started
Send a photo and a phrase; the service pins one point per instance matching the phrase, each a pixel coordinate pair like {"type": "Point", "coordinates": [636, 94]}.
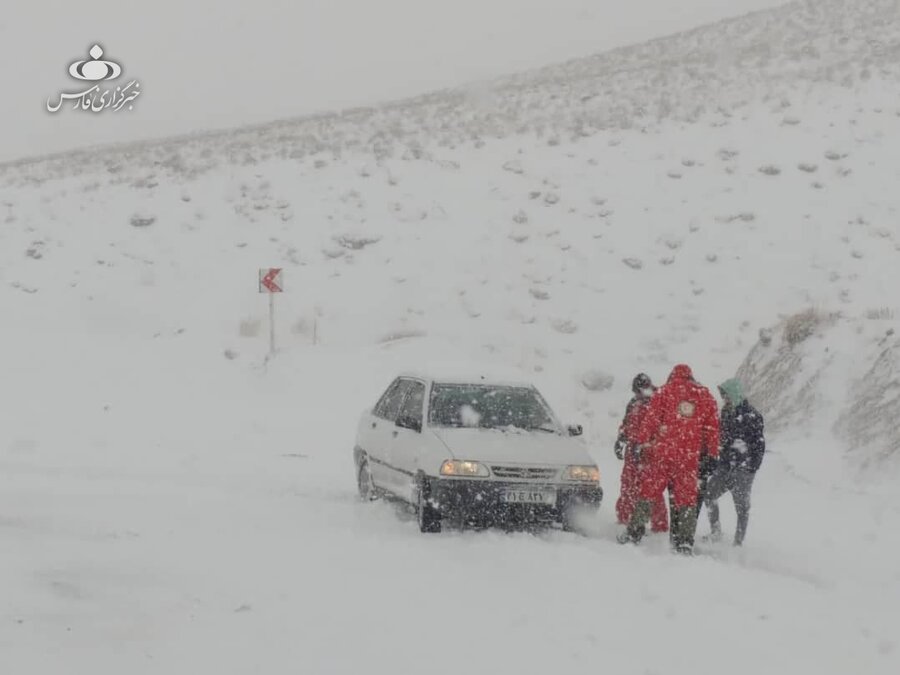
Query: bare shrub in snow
{"type": "Point", "coordinates": [36, 250]}
{"type": "Point", "coordinates": [802, 326]}
{"type": "Point", "coordinates": [674, 175]}
{"type": "Point", "coordinates": [808, 168]}
{"type": "Point", "coordinates": [514, 166]}
{"type": "Point", "coordinates": [790, 121]}
{"type": "Point", "coordinates": [668, 260]}
{"type": "Point", "coordinates": [146, 182]}
{"type": "Point", "coordinates": [746, 216]}
{"type": "Point", "coordinates": [534, 194]}
{"type": "Point", "coordinates": [551, 198]}
{"type": "Point", "coordinates": [142, 220]}
{"type": "Point", "coordinates": [816, 185]}
{"type": "Point", "coordinates": [597, 380]}
{"type": "Point", "coordinates": [880, 314]}
{"type": "Point", "coordinates": [565, 326]}
{"type": "Point", "coordinates": [835, 156]}
{"type": "Point", "coordinates": [689, 163]}
{"type": "Point", "coordinates": [520, 217]}
{"type": "Point", "coordinates": [356, 242]}
{"type": "Point", "coordinates": [770, 170]}
{"type": "Point", "coordinates": [539, 294]}
{"type": "Point", "coordinates": [633, 263]}
{"type": "Point", "coordinates": [711, 257]}
{"type": "Point", "coordinates": [519, 235]}
{"type": "Point", "coordinates": [673, 243]}
{"type": "Point", "coordinates": [402, 334]}
{"type": "Point", "coordinates": [726, 154]}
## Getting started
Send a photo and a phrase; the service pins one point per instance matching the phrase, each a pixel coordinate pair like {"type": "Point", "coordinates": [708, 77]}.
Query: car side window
{"type": "Point", "coordinates": [378, 410]}
{"type": "Point", "coordinates": [415, 399]}
{"type": "Point", "coordinates": [389, 406]}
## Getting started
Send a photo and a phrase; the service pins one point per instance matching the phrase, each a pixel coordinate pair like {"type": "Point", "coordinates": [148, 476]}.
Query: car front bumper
{"type": "Point", "coordinates": [479, 500]}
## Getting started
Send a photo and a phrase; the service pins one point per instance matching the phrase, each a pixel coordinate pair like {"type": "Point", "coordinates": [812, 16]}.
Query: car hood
{"type": "Point", "coordinates": [513, 447]}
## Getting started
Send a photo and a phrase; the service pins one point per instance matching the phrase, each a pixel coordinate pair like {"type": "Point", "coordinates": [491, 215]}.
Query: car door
{"type": "Point", "coordinates": [379, 434]}
{"type": "Point", "coordinates": [406, 440]}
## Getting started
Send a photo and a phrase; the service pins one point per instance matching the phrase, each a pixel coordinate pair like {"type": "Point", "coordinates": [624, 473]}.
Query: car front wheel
{"type": "Point", "coordinates": [364, 483]}
{"type": "Point", "coordinates": [429, 517]}
{"type": "Point", "coordinates": [577, 513]}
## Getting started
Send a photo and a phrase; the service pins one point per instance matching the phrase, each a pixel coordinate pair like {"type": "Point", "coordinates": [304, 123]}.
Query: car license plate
{"type": "Point", "coordinates": [529, 496]}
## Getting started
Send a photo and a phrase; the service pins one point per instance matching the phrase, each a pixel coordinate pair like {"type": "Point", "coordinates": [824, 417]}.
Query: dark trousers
{"type": "Point", "coordinates": [739, 483]}
{"type": "Point", "coordinates": [702, 483]}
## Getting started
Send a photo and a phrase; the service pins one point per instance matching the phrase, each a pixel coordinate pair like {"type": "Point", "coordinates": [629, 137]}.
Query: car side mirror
{"type": "Point", "coordinates": [575, 430]}
{"type": "Point", "coordinates": [409, 422]}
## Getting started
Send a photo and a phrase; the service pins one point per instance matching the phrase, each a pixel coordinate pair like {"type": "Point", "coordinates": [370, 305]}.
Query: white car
{"type": "Point", "coordinates": [473, 450]}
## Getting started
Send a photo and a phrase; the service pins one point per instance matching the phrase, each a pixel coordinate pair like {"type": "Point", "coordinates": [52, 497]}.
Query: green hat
{"type": "Point", "coordinates": [732, 391]}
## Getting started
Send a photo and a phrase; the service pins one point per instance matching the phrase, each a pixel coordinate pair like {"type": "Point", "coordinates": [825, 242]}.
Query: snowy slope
{"type": "Point", "coordinates": [274, 59]}
{"type": "Point", "coordinates": [817, 371]}
{"type": "Point", "coordinates": [171, 501]}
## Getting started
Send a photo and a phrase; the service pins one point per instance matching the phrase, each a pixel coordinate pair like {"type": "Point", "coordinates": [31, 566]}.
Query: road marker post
{"type": "Point", "coordinates": [271, 282]}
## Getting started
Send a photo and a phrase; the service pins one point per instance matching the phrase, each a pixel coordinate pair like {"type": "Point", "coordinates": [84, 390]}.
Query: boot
{"type": "Point", "coordinates": [637, 526]}
{"type": "Point", "coordinates": [674, 518]}
{"type": "Point", "coordinates": [715, 534]}
{"type": "Point", "coordinates": [683, 539]}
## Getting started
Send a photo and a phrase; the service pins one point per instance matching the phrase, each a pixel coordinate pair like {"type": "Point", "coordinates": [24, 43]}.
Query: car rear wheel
{"type": "Point", "coordinates": [364, 482]}
{"type": "Point", "coordinates": [429, 518]}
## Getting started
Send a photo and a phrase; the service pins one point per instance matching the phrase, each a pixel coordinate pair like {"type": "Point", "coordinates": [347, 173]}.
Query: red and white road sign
{"type": "Point", "coordinates": [270, 280]}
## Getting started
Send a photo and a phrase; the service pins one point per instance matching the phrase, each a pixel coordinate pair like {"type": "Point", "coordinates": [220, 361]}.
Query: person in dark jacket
{"type": "Point", "coordinates": [742, 445]}
{"type": "Point", "coordinates": [643, 390]}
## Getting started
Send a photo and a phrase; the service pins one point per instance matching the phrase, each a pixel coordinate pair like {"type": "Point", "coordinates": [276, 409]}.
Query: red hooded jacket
{"type": "Point", "coordinates": [681, 421]}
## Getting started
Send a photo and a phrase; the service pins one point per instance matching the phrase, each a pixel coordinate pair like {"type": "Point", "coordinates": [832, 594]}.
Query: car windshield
{"type": "Point", "coordinates": [488, 407]}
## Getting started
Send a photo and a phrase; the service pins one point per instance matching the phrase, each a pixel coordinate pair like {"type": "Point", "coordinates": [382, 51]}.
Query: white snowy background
{"type": "Point", "coordinates": [171, 501]}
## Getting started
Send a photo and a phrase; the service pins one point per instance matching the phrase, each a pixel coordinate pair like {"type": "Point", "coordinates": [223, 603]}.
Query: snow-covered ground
{"type": "Point", "coordinates": [274, 59]}
{"type": "Point", "coordinates": [171, 501]}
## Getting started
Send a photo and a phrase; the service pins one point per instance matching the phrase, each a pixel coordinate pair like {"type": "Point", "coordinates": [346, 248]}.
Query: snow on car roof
{"type": "Point", "coordinates": [469, 374]}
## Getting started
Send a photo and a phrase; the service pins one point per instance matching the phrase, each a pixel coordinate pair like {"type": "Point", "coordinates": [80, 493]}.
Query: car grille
{"type": "Point", "coordinates": [525, 472]}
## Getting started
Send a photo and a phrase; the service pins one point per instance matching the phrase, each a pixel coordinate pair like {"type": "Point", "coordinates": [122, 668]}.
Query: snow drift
{"type": "Point", "coordinates": [819, 370]}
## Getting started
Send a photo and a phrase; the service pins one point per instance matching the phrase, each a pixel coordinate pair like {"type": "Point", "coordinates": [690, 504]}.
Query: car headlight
{"type": "Point", "coordinates": [458, 467]}
{"type": "Point", "coordinates": [583, 473]}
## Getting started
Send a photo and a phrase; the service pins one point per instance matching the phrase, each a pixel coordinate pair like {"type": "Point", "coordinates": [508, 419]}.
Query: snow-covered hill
{"type": "Point", "coordinates": [818, 372]}
{"type": "Point", "coordinates": [275, 59]}
{"type": "Point", "coordinates": [171, 500]}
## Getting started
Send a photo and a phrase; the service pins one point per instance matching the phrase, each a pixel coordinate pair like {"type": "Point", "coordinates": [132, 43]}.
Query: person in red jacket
{"type": "Point", "coordinates": [626, 448]}
{"type": "Point", "coordinates": [681, 420]}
